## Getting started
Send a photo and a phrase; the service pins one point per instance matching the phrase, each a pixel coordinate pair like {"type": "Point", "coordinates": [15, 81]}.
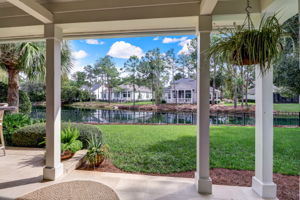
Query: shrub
{"type": "Point", "coordinates": [71, 94]}
{"type": "Point", "coordinates": [33, 135]}
{"type": "Point", "coordinates": [35, 90]}
{"type": "Point", "coordinates": [69, 139]}
{"type": "Point", "coordinates": [25, 104]}
{"type": "Point", "coordinates": [12, 122]}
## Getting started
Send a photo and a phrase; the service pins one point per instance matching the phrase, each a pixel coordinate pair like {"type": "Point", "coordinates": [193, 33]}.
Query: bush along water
{"type": "Point", "coordinates": [13, 122]}
{"type": "Point", "coordinates": [33, 135]}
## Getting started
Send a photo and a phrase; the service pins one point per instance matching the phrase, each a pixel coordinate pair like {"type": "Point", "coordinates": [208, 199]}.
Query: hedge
{"type": "Point", "coordinates": [33, 135]}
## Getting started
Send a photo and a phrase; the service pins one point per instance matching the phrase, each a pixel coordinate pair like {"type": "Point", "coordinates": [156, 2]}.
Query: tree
{"type": "Point", "coordinates": [28, 58]}
{"type": "Point", "coordinates": [287, 70]}
{"type": "Point", "coordinates": [154, 72]}
{"type": "Point", "coordinates": [80, 79]}
{"type": "Point", "coordinates": [188, 61]}
{"type": "Point", "coordinates": [106, 67]}
{"type": "Point", "coordinates": [131, 68]}
{"type": "Point", "coordinates": [171, 63]}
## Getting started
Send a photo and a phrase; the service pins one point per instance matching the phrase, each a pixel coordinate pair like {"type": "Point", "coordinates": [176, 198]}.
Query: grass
{"type": "Point", "coordinates": [168, 148]}
{"type": "Point", "coordinates": [282, 107]}
{"type": "Point", "coordinates": [287, 107]}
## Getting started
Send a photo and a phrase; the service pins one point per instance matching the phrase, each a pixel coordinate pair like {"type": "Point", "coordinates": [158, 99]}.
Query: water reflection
{"type": "Point", "coordinates": [142, 117]}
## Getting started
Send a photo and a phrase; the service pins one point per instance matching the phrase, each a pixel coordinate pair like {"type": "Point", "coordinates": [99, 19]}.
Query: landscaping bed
{"type": "Point", "coordinates": [170, 150]}
{"type": "Point", "coordinates": [287, 186]}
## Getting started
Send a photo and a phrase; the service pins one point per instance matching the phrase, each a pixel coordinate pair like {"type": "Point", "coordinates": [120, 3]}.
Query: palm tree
{"type": "Point", "coordinates": [27, 58]}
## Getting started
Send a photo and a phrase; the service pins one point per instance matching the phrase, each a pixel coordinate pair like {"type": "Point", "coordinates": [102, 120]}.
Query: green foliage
{"type": "Point", "coordinates": [154, 72]}
{"type": "Point", "coordinates": [172, 148]}
{"type": "Point", "coordinates": [71, 94]}
{"type": "Point", "coordinates": [243, 46]}
{"type": "Point", "coordinates": [35, 90]}
{"type": "Point", "coordinates": [79, 79]}
{"type": "Point", "coordinates": [13, 122]}
{"type": "Point", "coordinates": [286, 70]}
{"type": "Point", "coordinates": [69, 139]}
{"type": "Point", "coordinates": [33, 135]}
{"type": "Point", "coordinates": [96, 150]}
{"type": "Point", "coordinates": [25, 104]}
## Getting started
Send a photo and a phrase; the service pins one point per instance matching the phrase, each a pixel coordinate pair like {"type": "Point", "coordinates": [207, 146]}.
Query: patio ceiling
{"type": "Point", "coordinates": [119, 18]}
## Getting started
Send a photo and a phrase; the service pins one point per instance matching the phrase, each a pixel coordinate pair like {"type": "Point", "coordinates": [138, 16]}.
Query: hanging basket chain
{"type": "Point", "coordinates": [248, 21]}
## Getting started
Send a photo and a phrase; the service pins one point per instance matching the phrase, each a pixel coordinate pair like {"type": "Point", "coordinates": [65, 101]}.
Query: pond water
{"type": "Point", "coordinates": [143, 117]}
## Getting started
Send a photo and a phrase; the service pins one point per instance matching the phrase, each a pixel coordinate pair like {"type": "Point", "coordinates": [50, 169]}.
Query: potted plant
{"type": "Point", "coordinates": [97, 151]}
{"type": "Point", "coordinates": [69, 142]}
{"type": "Point", "coordinates": [245, 45]}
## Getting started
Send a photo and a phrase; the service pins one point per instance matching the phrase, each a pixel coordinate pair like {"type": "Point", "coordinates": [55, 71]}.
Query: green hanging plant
{"type": "Point", "coordinates": [244, 45]}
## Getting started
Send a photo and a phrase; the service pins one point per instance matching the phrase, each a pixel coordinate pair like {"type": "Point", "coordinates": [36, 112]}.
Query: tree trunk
{"type": "Point", "coordinates": [214, 87]}
{"type": "Point", "coordinates": [133, 96]}
{"type": "Point", "coordinates": [242, 88]}
{"type": "Point", "coordinates": [109, 95]}
{"type": "Point", "coordinates": [13, 88]}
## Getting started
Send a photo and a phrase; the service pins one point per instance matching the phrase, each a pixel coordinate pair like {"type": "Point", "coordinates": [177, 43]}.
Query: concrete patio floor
{"type": "Point", "coordinates": [21, 172]}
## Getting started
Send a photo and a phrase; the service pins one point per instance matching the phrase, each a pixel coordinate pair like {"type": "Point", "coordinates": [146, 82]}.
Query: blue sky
{"type": "Point", "coordinates": [88, 51]}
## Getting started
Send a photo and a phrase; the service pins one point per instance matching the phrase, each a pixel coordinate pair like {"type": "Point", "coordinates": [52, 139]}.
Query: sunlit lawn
{"type": "Point", "coordinates": [283, 107]}
{"type": "Point", "coordinates": [172, 148]}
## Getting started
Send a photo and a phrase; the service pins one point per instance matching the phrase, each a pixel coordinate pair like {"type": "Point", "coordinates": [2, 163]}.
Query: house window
{"type": "Point", "coordinates": [124, 94]}
{"type": "Point", "coordinates": [169, 95]}
{"type": "Point", "coordinates": [188, 94]}
{"type": "Point", "coordinates": [129, 94]}
{"type": "Point", "coordinates": [104, 96]}
{"type": "Point", "coordinates": [181, 93]}
{"type": "Point", "coordinates": [174, 94]}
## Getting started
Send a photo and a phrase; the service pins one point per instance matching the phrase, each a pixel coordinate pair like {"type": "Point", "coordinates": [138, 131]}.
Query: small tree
{"type": "Point", "coordinates": [131, 67]}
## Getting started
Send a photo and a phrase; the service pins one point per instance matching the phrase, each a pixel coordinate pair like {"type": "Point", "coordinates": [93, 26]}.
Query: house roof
{"type": "Point", "coordinates": [252, 90]}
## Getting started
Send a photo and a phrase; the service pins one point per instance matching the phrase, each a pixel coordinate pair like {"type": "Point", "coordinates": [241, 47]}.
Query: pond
{"type": "Point", "coordinates": [142, 117]}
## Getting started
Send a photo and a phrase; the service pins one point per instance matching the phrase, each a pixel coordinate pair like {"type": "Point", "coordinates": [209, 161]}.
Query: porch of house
{"type": "Point", "coordinates": [25, 174]}
{"type": "Point", "coordinates": [73, 19]}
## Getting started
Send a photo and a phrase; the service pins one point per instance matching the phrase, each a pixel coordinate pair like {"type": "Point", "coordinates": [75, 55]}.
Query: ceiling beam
{"type": "Point", "coordinates": [207, 6]}
{"type": "Point", "coordinates": [34, 9]}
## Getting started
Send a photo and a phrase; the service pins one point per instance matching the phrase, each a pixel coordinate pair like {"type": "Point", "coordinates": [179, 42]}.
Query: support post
{"type": "Point", "coordinates": [54, 167]}
{"type": "Point", "coordinates": [262, 182]}
{"type": "Point", "coordinates": [203, 180]}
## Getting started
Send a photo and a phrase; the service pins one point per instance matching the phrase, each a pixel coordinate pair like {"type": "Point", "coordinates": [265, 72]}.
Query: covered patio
{"type": "Point", "coordinates": [53, 21]}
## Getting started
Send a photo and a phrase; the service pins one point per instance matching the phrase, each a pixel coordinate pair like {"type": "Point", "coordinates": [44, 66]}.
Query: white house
{"type": "Point", "coordinates": [185, 91]}
{"type": "Point", "coordinates": [277, 98]}
{"type": "Point", "coordinates": [122, 93]}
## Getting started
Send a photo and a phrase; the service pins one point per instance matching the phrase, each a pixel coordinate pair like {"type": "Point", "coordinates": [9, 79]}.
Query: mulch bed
{"type": "Point", "coordinates": [287, 186]}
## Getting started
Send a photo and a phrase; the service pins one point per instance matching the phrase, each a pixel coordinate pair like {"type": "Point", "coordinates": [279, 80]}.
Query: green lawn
{"type": "Point", "coordinates": [138, 103]}
{"type": "Point", "coordinates": [287, 107]}
{"type": "Point", "coordinates": [284, 107]}
{"type": "Point", "coordinates": [166, 148]}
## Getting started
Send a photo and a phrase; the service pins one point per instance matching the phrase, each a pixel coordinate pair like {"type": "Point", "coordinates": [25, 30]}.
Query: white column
{"type": "Point", "coordinates": [203, 180]}
{"type": "Point", "coordinates": [262, 182]}
{"type": "Point", "coordinates": [53, 168]}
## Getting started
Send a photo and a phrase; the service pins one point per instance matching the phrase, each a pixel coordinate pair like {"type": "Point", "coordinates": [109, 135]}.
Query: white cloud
{"type": "Point", "coordinates": [121, 49]}
{"type": "Point", "coordinates": [79, 54]}
{"type": "Point", "coordinates": [185, 49]}
{"type": "Point", "coordinates": [93, 41]}
{"type": "Point", "coordinates": [167, 40]}
{"type": "Point", "coordinates": [156, 38]}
